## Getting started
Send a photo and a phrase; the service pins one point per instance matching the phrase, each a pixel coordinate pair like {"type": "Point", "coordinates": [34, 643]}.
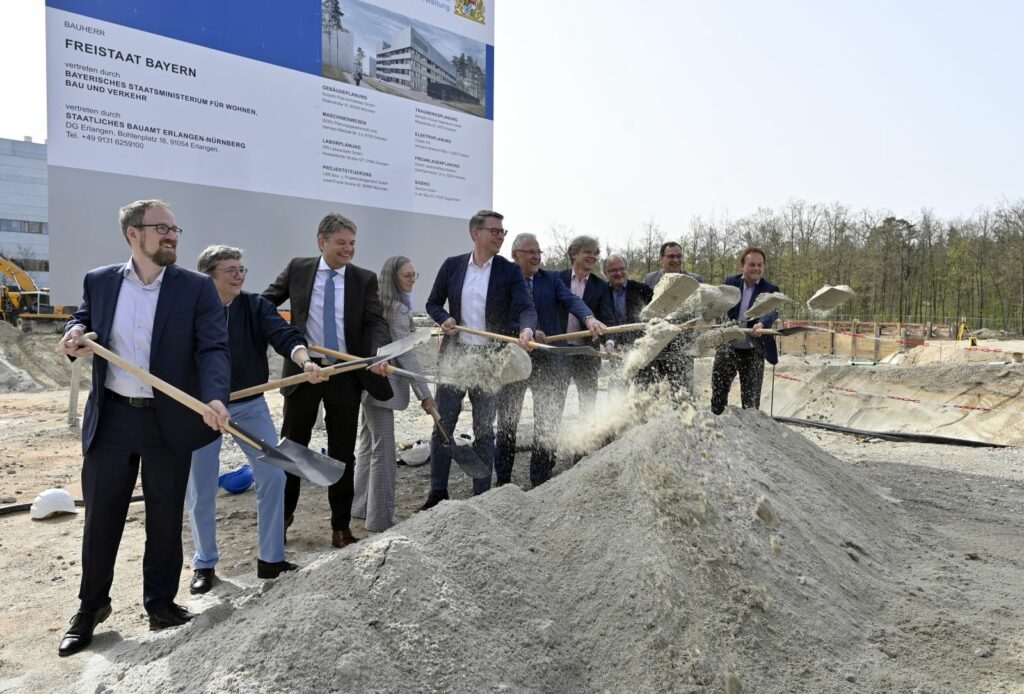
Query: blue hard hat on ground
{"type": "Point", "coordinates": [236, 481]}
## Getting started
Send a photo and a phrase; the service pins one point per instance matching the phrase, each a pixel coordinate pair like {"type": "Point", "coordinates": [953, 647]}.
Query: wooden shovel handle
{"type": "Point", "coordinates": [437, 420]}
{"type": "Point", "coordinates": [495, 336]}
{"type": "Point", "coordinates": [173, 392]}
{"type": "Point", "coordinates": [611, 330]}
{"type": "Point", "coordinates": [326, 372]}
{"type": "Point", "coordinates": [342, 356]}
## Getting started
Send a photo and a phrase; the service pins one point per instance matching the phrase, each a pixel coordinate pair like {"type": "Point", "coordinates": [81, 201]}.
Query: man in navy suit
{"type": "Point", "coordinates": [484, 291]}
{"type": "Point", "coordinates": [583, 253]}
{"type": "Point", "coordinates": [746, 357]}
{"type": "Point", "coordinates": [628, 296]}
{"type": "Point", "coordinates": [168, 321]}
{"type": "Point", "coordinates": [550, 375]}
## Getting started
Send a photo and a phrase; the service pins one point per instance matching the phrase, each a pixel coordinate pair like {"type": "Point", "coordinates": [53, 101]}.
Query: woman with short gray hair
{"type": "Point", "coordinates": [376, 465]}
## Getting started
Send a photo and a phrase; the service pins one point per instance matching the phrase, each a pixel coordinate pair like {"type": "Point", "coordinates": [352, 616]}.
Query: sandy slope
{"type": "Point", "coordinates": [894, 568]}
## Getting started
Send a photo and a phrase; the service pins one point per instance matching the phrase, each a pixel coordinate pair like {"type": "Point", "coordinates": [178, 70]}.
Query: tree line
{"type": "Point", "coordinates": [916, 270]}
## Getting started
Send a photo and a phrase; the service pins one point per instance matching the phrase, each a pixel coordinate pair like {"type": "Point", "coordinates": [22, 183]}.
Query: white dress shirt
{"type": "Point", "coordinates": [474, 301]}
{"type": "Point", "coordinates": [746, 299]}
{"type": "Point", "coordinates": [576, 286]}
{"type": "Point", "coordinates": [315, 322]}
{"type": "Point", "coordinates": [131, 333]}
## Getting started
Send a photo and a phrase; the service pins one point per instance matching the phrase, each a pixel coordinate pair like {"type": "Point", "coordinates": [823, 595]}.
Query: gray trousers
{"type": "Point", "coordinates": [376, 468]}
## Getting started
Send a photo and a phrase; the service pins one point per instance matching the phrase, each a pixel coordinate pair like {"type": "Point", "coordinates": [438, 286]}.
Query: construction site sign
{"type": "Point", "coordinates": [254, 119]}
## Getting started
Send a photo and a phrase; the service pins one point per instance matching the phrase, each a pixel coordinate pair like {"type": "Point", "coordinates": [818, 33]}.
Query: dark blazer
{"type": "Point", "coordinates": [551, 298]}
{"type": "Point", "coordinates": [596, 296]}
{"type": "Point", "coordinates": [253, 323]}
{"type": "Point", "coordinates": [189, 349]}
{"type": "Point", "coordinates": [638, 295]}
{"type": "Point", "coordinates": [509, 309]}
{"type": "Point", "coordinates": [365, 328]}
{"type": "Point", "coordinates": [765, 343]}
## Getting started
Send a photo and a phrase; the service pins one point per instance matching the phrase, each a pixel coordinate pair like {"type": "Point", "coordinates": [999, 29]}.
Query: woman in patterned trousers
{"type": "Point", "coordinates": [376, 465]}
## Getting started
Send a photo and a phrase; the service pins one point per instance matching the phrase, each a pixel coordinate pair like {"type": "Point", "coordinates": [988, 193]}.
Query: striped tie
{"type": "Point", "coordinates": [330, 321]}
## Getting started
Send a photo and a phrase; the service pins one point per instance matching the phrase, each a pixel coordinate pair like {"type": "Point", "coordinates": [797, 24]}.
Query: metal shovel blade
{"type": "Point", "coordinates": [295, 458]}
{"type": "Point", "coordinates": [304, 462]}
{"type": "Point", "coordinates": [467, 459]}
{"type": "Point", "coordinates": [570, 350]}
{"type": "Point", "coordinates": [464, 456]}
{"type": "Point", "coordinates": [406, 344]}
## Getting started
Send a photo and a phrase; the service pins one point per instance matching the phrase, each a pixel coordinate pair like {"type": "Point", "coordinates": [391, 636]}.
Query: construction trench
{"type": "Point", "coordinates": [692, 553]}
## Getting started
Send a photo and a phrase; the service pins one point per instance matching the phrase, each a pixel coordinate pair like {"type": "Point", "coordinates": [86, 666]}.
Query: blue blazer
{"type": "Point", "coordinates": [189, 350]}
{"type": "Point", "coordinates": [509, 309]}
{"type": "Point", "coordinates": [596, 295]}
{"type": "Point", "coordinates": [552, 299]}
{"type": "Point", "coordinates": [765, 343]}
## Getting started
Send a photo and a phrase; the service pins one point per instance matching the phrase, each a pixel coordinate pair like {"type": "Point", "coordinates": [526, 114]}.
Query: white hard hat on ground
{"type": "Point", "coordinates": [418, 454]}
{"type": "Point", "coordinates": [52, 502]}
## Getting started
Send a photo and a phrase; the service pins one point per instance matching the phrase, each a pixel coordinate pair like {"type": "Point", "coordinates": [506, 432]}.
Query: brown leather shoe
{"type": "Point", "coordinates": [343, 538]}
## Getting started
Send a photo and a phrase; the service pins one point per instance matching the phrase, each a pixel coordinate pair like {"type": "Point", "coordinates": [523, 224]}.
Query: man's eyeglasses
{"type": "Point", "coordinates": [410, 276]}
{"type": "Point", "coordinates": [162, 229]}
{"type": "Point", "coordinates": [495, 231]}
{"type": "Point", "coordinates": [235, 271]}
{"type": "Point", "coordinates": [674, 256]}
{"type": "Point", "coordinates": [533, 252]}
{"type": "Point", "coordinates": [610, 270]}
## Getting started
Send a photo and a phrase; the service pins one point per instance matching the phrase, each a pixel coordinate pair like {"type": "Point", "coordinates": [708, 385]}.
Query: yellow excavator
{"type": "Point", "coordinates": [25, 305]}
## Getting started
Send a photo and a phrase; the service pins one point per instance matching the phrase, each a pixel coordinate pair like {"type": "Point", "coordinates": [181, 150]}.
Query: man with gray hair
{"type": "Point", "coordinates": [549, 377]}
{"type": "Point", "coordinates": [253, 323]}
{"type": "Point", "coordinates": [583, 253]}
{"type": "Point", "coordinates": [334, 305]}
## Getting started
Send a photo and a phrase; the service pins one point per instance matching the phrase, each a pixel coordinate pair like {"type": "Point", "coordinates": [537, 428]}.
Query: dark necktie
{"type": "Point", "coordinates": [330, 321]}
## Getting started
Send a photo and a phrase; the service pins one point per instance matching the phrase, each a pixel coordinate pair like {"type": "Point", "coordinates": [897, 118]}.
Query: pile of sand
{"type": "Point", "coordinates": [30, 362]}
{"type": "Point", "coordinates": [670, 294]}
{"type": "Point", "coordinates": [487, 370]}
{"type": "Point", "coordinates": [692, 552]}
{"type": "Point", "coordinates": [766, 303]}
{"type": "Point", "coordinates": [978, 402]}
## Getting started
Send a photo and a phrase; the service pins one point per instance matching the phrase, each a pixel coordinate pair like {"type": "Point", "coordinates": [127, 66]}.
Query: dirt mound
{"type": "Point", "coordinates": [979, 402]}
{"type": "Point", "coordinates": [30, 362]}
{"type": "Point", "coordinates": [947, 352]}
{"type": "Point", "coordinates": [691, 552]}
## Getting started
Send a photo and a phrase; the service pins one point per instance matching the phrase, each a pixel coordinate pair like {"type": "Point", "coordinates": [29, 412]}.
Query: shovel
{"type": "Point", "coordinates": [325, 372]}
{"type": "Point", "coordinates": [581, 350]}
{"type": "Point", "coordinates": [287, 455]}
{"type": "Point", "coordinates": [465, 456]}
{"type": "Point", "coordinates": [388, 351]}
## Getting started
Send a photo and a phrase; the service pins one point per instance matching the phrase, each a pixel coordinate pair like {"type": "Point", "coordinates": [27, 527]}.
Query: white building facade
{"type": "Point", "coordinates": [24, 229]}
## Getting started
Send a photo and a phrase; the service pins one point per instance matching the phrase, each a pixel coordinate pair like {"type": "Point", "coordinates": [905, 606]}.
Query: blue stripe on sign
{"type": "Point", "coordinates": [489, 109]}
{"type": "Point", "coordinates": [271, 31]}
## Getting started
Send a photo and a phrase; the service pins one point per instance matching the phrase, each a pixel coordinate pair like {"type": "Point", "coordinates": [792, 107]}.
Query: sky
{"type": "Point", "coordinates": [608, 115]}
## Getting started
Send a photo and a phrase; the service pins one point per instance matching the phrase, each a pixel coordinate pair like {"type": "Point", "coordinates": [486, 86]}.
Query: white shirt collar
{"type": "Point", "coordinates": [481, 267]}
{"type": "Point", "coordinates": [324, 267]}
{"type": "Point", "coordinates": [130, 272]}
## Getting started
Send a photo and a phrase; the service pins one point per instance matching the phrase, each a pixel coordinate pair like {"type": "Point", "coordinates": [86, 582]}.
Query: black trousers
{"type": "Point", "coordinates": [127, 438]}
{"type": "Point", "coordinates": [583, 372]}
{"type": "Point", "coordinates": [340, 396]}
{"type": "Point", "coordinates": [673, 367]}
{"type": "Point", "coordinates": [548, 383]}
{"type": "Point", "coordinates": [749, 364]}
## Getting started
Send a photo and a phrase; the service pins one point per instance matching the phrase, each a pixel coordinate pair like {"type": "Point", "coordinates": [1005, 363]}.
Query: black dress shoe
{"type": "Point", "coordinates": [173, 616]}
{"type": "Point", "coordinates": [79, 635]}
{"type": "Point", "coordinates": [343, 538]}
{"type": "Point", "coordinates": [273, 569]}
{"type": "Point", "coordinates": [436, 497]}
{"type": "Point", "coordinates": [202, 581]}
